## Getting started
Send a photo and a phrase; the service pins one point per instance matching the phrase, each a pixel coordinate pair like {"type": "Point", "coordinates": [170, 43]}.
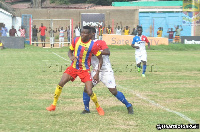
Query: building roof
{"type": "Point", "coordinates": [5, 12]}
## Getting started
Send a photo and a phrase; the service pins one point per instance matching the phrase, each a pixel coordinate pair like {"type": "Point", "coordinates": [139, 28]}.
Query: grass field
{"type": "Point", "coordinates": [168, 95]}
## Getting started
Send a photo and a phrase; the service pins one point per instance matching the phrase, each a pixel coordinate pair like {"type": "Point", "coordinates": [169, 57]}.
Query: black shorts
{"type": "Point", "coordinates": [42, 38]}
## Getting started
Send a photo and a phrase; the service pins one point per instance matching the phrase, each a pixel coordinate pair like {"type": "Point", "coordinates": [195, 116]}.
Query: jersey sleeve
{"type": "Point", "coordinates": [96, 50]}
{"type": "Point", "coordinates": [101, 44]}
{"type": "Point", "coordinates": [146, 39]}
{"type": "Point", "coordinates": [133, 42]}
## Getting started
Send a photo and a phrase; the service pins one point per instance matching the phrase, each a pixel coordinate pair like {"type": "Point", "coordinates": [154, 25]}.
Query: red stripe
{"type": "Point", "coordinates": [80, 57]}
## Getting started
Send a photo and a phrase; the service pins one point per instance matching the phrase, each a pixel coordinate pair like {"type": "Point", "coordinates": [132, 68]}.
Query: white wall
{"type": "Point", "coordinates": [7, 20]}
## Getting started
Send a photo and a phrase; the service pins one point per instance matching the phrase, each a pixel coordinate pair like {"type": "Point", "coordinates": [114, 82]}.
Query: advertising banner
{"type": "Point", "coordinates": [112, 39]}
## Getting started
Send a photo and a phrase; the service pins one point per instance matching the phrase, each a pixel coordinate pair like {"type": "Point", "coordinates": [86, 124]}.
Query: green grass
{"type": "Point", "coordinates": [28, 78]}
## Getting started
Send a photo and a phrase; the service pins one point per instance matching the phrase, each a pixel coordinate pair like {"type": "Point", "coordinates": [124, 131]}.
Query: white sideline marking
{"type": "Point", "coordinates": [162, 107]}
{"type": "Point", "coordinates": [151, 101]}
{"type": "Point", "coordinates": [60, 56]}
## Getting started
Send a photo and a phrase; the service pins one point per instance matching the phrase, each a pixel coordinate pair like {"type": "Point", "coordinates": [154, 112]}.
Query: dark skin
{"type": "Point", "coordinates": [85, 37]}
{"type": "Point", "coordinates": [137, 47]}
{"type": "Point", "coordinates": [39, 31]}
{"type": "Point", "coordinates": [104, 52]}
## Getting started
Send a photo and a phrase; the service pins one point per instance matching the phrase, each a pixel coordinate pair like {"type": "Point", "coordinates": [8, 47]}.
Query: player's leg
{"type": "Point", "coordinates": [86, 97]}
{"type": "Point", "coordinates": [138, 62]}
{"type": "Point", "coordinates": [86, 78]}
{"type": "Point", "coordinates": [44, 40]}
{"type": "Point", "coordinates": [109, 81]}
{"type": "Point", "coordinates": [59, 42]}
{"type": "Point", "coordinates": [68, 75]}
{"type": "Point", "coordinates": [65, 78]}
{"type": "Point", "coordinates": [63, 42]}
{"type": "Point", "coordinates": [144, 61]}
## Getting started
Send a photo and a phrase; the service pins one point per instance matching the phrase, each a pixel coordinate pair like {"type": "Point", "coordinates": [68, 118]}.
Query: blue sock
{"type": "Point", "coordinates": [86, 100]}
{"type": "Point", "coordinates": [120, 96]}
{"type": "Point", "coordinates": [144, 69]}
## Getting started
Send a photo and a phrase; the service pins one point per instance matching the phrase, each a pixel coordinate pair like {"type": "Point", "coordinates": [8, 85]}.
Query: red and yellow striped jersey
{"type": "Point", "coordinates": [83, 52]}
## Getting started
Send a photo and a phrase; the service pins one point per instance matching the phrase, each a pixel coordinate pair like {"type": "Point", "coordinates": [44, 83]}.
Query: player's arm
{"type": "Point", "coordinates": [71, 56]}
{"type": "Point", "coordinates": [133, 44]}
{"type": "Point", "coordinates": [181, 28]}
{"type": "Point", "coordinates": [105, 51]}
{"type": "Point", "coordinates": [147, 41]}
{"type": "Point", "coordinates": [96, 76]}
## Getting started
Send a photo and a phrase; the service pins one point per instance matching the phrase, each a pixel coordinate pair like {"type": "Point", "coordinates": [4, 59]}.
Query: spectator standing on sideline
{"type": "Point", "coordinates": [159, 32]}
{"type": "Point", "coordinates": [134, 32]}
{"type": "Point", "coordinates": [1, 45]}
{"type": "Point", "coordinates": [34, 34]}
{"type": "Point", "coordinates": [51, 33]}
{"type": "Point", "coordinates": [108, 30]}
{"type": "Point", "coordinates": [61, 36]}
{"type": "Point", "coordinates": [4, 31]}
{"type": "Point", "coordinates": [77, 30]}
{"type": "Point", "coordinates": [42, 30]}
{"type": "Point", "coordinates": [101, 28]}
{"type": "Point", "coordinates": [126, 30]}
{"type": "Point", "coordinates": [118, 29]}
{"type": "Point", "coordinates": [22, 31]}
{"type": "Point", "coordinates": [178, 33]}
{"type": "Point", "coordinates": [171, 35]}
{"type": "Point", "coordinates": [68, 34]}
{"type": "Point", "coordinates": [12, 32]}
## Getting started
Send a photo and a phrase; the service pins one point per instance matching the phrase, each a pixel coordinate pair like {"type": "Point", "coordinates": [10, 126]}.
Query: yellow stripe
{"type": "Point", "coordinates": [84, 54]}
{"type": "Point", "coordinates": [71, 47]}
{"type": "Point", "coordinates": [98, 53]}
{"type": "Point", "coordinates": [75, 51]}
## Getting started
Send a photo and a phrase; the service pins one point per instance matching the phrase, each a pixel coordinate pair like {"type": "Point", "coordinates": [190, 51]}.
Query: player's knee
{"type": "Point", "coordinates": [89, 92]}
{"type": "Point", "coordinates": [113, 91]}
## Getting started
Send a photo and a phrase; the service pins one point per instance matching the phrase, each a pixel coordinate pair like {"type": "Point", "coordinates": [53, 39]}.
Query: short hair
{"type": "Point", "coordinates": [93, 30]}
{"type": "Point", "coordinates": [87, 27]}
{"type": "Point", "coordinates": [140, 27]}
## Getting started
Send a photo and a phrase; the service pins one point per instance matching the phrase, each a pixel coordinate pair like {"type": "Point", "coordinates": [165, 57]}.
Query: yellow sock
{"type": "Point", "coordinates": [57, 94]}
{"type": "Point", "coordinates": [94, 99]}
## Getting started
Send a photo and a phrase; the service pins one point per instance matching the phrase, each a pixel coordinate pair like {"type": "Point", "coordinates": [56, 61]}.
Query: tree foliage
{"type": "Point", "coordinates": [97, 2]}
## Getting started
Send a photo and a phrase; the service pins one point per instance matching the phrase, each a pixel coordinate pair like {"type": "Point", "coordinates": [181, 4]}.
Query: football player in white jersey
{"type": "Point", "coordinates": [106, 76]}
{"type": "Point", "coordinates": [138, 43]}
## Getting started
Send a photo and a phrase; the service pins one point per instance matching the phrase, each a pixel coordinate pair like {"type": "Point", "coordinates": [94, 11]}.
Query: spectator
{"type": "Point", "coordinates": [51, 33]}
{"type": "Point", "coordinates": [12, 31]}
{"type": "Point", "coordinates": [108, 30]}
{"type": "Point", "coordinates": [118, 29]}
{"type": "Point", "coordinates": [4, 31]}
{"type": "Point", "coordinates": [1, 45]}
{"type": "Point", "coordinates": [101, 28]}
{"type": "Point", "coordinates": [159, 32]}
{"type": "Point", "coordinates": [134, 32]}
{"type": "Point", "coordinates": [42, 29]}
{"type": "Point", "coordinates": [178, 32]}
{"type": "Point", "coordinates": [77, 30]}
{"type": "Point", "coordinates": [22, 31]}
{"type": "Point", "coordinates": [171, 35]}
{"type": "Point", "coordinates": [61, 36]}
{"type": "Point", "coordinates": [68, 34]}
{"type": "Point", "coordinates": [126, 30]}
{"type": "Point", "coordinates": [96, 33]}
{"type": "Point", "coordinates": [34, 35]}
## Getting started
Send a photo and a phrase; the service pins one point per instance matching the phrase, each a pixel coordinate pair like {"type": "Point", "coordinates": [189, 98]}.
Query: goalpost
{"type": "Point", "coordinates": [54, 24]}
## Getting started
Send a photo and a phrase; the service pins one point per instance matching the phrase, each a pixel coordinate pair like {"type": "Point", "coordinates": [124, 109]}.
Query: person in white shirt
{"type": "Point", "coordinates": [118, 29]}
{"type": "Point", "coordinates": [61, 36]}
{"type": "Point", "coordinates": [77, 30]}
{"type": "Point", "coordinates": [106, 76]}
{"type": "Point", "coordinates": [138, 43]}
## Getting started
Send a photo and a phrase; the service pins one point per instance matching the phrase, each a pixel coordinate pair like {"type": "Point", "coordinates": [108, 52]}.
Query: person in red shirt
{"type": "Point", "coordinates": [22, 31]}
{"type": "Point", "coordinates": [42, 30]}
{"type": "Point", "coordinates": [171, 35]}
{"type": "Point", "coordinates": [80, 53]}
{"type": "Point", "coordinates": [12, 31]}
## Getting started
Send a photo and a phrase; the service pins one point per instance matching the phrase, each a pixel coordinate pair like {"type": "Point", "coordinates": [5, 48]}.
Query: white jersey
{"type": "Point", "coordinates": [106, 66]}
{"type": "Point", "coordinates": [106, 75]}
{"type": "Point", "coordinates": [77, 32]}
{"type": "Point", "coordinates": [140, 41]}
{"type": "Point", "coordinates": [118, 31]}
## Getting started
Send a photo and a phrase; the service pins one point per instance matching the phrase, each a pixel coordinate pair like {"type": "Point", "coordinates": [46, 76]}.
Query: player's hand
{"type": "Point", "coordinates": [137, 47]}
{"type": "Point", "coordinates": [96, 78]}
{"type": "Point", "coordinates": [73, 58]}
